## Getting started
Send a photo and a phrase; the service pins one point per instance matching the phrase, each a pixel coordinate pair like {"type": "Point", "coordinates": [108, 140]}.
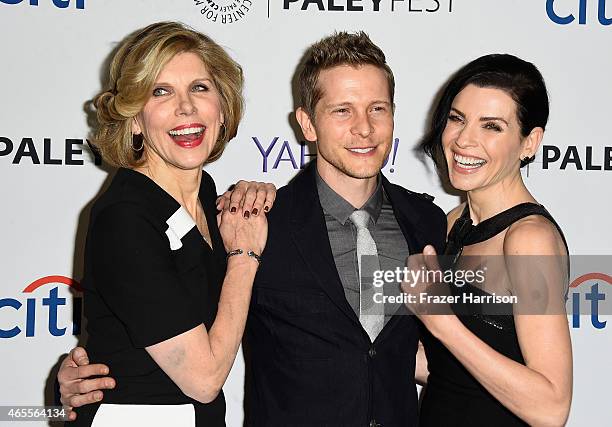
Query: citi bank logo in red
{"type": "Point", "coordinates": [588, 297]}
{"type": "Point", "coordinates": [41, 302]}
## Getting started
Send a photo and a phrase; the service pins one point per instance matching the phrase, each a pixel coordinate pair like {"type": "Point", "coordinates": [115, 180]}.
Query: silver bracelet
{"type": "Point", "coordinates": [254, 255]}
{"type": "Point", "coordinates": [249, 253]}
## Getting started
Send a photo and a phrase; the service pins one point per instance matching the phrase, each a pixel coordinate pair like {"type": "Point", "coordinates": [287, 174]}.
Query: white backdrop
{"type": "Point", "coordinates": [52, 58]}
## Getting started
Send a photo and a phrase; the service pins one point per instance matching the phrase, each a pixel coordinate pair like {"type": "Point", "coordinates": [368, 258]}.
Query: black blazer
{"type": "Point", "coordinates": [309, 361]}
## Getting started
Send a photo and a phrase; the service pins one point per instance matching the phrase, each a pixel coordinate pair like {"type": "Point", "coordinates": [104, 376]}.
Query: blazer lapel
{"type": "Point", "coordinates": [407, 219]}
{"type": "Point", "coordinates": [309, 233]}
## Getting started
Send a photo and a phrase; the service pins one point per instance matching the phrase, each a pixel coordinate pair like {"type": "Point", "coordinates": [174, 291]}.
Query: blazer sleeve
{"type": "Point", "coordinates": [134, 273]}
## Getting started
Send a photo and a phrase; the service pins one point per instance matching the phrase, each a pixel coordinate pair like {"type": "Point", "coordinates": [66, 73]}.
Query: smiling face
{"type": "Point", "coordinates": [181, 120]}
{"type": "Point", "coordinates": [482, 140]}
{"type": "Point", "coordinates": [353, 123]}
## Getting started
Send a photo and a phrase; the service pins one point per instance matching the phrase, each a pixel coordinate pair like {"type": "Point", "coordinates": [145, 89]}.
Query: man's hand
{"type": "Point", "coordinates": [251, 196]}
{"type": "Point", "coordinates": [75, 387]}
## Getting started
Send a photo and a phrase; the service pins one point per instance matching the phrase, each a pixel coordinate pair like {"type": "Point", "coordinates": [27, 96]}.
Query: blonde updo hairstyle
{"type": "Point", "coordinates": [133, 71]}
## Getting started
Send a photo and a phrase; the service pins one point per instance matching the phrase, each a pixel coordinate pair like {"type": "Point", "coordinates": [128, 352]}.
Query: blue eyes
{"type": "Point", "coordinates": [159, 91]}
{"type": "Point", "coordinates": [198, 87]}
{"type": "Point", "coordinates": [342, 111]}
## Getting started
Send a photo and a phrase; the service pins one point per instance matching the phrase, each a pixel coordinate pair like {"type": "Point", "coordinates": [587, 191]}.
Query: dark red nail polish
{"type": "Point", "coordinates": [247, 214]}
{"type": "Point", "coordinates": [266, 208]}
{"type": "Point", "coordinates": [233, 210]}
{"type": "Point", "coordinates": [255, 211]}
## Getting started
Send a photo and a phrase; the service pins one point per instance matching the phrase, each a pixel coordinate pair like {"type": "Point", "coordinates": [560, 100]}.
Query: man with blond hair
{"type": "Point", "coordinates": [316, 354]}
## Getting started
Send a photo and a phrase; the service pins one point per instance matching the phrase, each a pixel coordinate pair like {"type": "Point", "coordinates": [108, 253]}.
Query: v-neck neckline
{"type": "Point", "coordinates": [159, 191]}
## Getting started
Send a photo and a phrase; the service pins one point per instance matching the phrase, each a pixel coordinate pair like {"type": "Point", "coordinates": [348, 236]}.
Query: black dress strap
{"type": "Point", "coordinates": [464, 233]}
{"type": "Point", "coordinates": [499, 222]}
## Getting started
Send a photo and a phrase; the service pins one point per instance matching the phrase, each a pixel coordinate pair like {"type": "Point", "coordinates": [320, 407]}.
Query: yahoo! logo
{"type": "Point", "coordinates": [593, 297]}
{"type": "Point", "coordinates": [274, 154]}
{"type": "Point", "coordinates": [50, 303]}
{"type": "Point", "coordinates": [568, 18]}
{"type": "Point", "coordinates": [60, 4]}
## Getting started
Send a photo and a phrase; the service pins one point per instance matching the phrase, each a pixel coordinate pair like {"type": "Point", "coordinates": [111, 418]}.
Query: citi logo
{"type": "Point", "coordinates": [60, 4]}
{"type": "Point", "coordinates": [564, 16]}
{"type": "Point", "coordinates": [587, 291]}
{"type": "Point", "coordinates": [19, 315]}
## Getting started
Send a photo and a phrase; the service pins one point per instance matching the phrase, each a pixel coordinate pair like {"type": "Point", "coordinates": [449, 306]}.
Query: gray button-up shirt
{"type": "Point", "coordinates": [390, 242]}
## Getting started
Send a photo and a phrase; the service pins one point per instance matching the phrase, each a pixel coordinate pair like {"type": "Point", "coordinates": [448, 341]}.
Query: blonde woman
{"type": "Point", "coordinates": [167, 282]}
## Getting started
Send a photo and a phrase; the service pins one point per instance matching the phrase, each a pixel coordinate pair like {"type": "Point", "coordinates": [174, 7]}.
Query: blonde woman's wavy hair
{"type": "Point", "coordinates": [133, 71]}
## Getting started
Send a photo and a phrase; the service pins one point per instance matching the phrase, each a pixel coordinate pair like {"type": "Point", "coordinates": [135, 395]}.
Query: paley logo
{"type": "Point", "coordinates": [586, 290]}
{"type": "Point", "coordinates": [273, 154]}
{"type": "Point", "coordinates": [70, 153]}
{"type": "Point", "coordinates": [223, 11]}
{"type": "Point", "coordinates": [60, 4]}
{"type": "Point", "coordinates": [412, 6]}
{"type": "Point", "coordinates": [567, 15]}
{"type": "Point", "coordinates": [578, 158]}
{"type": "Point", "coordinates": [37, 302]}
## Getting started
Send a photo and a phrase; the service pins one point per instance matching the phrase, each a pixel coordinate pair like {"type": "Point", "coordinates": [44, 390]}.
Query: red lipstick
{"type": "Point", "coordinates": [188, 135]}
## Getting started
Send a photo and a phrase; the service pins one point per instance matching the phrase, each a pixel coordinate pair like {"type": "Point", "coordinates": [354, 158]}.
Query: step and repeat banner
{"type": "Point", "coordinates": [53, 59]}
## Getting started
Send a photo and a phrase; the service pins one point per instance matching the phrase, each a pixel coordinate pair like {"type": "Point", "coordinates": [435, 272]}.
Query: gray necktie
{"type": "Point", "coordinates": [371, 315]}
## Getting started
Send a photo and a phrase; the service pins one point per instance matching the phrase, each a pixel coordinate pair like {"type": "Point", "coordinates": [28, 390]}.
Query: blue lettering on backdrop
{"type": "Point", "coordinates": [284, 153]}
{"type": "Point", "coordinates": [53, 302]}
{"type": "Point", "coordinates": [13, 303]}
{"type": "Point", "coordinates": [280, 156]}
{"type": "Point", "coordinates": [61, 4]}
{"type": "Point", "coordinates": [582, 13]}
{"type": "Point", "coordinates": [285, 150]}
{"type": "Point", "coordinates": [601, 14]}
{"type": "Point", "coordinates": [265, 153]}
{"type": "Point", "coordinates": [594, 296]}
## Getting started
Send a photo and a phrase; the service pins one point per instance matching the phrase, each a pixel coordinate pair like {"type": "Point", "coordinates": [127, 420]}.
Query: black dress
{"type": "Point", "coordinates": [149, 276]}
{"type": "Point", "coordinates": [453, 397]}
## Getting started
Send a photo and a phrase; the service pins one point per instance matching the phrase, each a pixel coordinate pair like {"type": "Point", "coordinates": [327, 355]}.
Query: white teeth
{"type": "Point", "coordinates": [186, 131]}
{"type": "Point", "coordinates": [469, 162]}
{"type": "Point", "coordinates": [361, 150]}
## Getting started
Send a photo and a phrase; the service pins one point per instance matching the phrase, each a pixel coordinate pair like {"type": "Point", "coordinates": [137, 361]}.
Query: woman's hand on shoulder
{"type": "Point", "coordinates": [246, 232]}
{"type": "Point", "coordinates": [252, 196]}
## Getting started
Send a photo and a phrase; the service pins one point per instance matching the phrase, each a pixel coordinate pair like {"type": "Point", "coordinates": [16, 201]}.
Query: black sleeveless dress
{"type": "Point", "coordinates": [453, 397]}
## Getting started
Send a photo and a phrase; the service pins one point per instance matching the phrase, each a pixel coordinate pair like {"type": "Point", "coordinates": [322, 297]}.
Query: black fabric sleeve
{"type": "Point", "coordinates": [135, 275]}
{"type": "Point", "coordinates": [209, 191]}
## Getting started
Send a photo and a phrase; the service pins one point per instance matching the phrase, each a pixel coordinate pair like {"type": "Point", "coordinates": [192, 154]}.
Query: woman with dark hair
{"type": "Point", "coordinates": [495, 364]}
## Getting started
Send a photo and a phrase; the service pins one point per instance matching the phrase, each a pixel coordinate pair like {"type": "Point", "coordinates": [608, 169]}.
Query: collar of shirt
{"type": "Point", "coordinates": [336, 206]}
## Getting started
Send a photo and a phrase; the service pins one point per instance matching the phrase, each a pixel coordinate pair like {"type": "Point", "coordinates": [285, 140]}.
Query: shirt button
{"type": "Point", "coordinates": [372, 353]}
